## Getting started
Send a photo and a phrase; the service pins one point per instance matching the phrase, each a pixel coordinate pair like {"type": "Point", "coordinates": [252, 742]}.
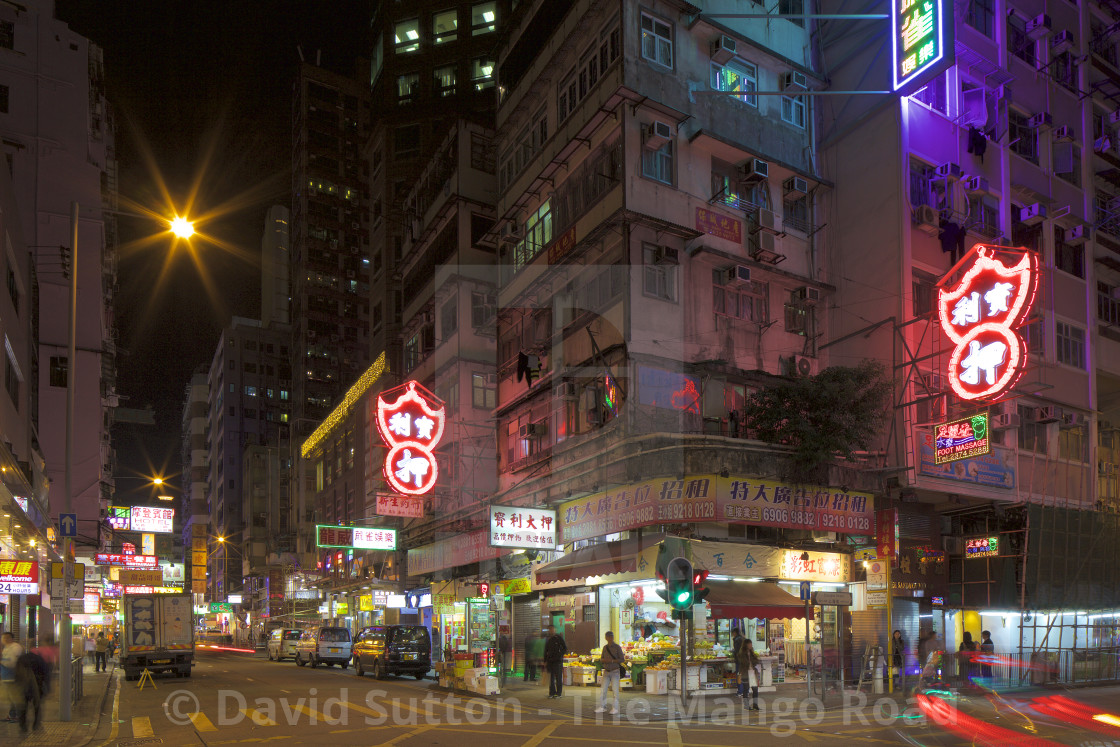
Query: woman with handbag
{"type": "Point", "coordinates": [750, 674]}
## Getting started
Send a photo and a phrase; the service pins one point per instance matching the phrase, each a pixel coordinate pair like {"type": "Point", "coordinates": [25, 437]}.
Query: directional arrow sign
{"type": "Point", "coordinates": [68, 524]}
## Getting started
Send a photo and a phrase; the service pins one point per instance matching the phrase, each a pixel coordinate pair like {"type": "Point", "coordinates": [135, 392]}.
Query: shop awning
{"type": "Point", "coordinates": [603, 559]}
{"type": "Point", "coordinates": [734, 599]}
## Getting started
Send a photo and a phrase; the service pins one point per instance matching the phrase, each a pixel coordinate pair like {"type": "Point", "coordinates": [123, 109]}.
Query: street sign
{"type": "Point", "coordinates": [68, 525]}
{"type": "Point", "coordinates": [833, 598]}
{"type": "Point", "coordinates": [806, 591]}
{"type": "Point", "coordinates": [141, 577]}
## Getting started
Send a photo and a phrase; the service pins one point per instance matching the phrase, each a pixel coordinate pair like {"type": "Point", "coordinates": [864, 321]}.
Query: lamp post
{"type": "Point", "coordinates": [183, 229]}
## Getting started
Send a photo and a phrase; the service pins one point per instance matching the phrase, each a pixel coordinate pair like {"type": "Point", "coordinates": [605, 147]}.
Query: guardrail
{"type": "Point", "coordinates": [76, 679]}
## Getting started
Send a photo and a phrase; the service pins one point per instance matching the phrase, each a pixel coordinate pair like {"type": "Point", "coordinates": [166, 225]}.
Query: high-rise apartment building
{"type": "Point", "coordinates": [276, 297]}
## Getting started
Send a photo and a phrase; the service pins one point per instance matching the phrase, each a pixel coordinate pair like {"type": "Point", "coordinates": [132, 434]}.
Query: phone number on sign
{"type": "Point", "coordinates": [686, 511]}
{"type": "Point", "coordinates": [801, 518]}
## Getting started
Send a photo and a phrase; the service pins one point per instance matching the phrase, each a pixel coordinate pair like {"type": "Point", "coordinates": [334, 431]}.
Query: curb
{"type": "Point", "coordinates": [95, 724]}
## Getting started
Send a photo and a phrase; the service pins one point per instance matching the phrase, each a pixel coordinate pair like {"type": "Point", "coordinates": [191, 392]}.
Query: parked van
{"type": "Point", "coordinates": [282, 643]}
{"type": "Point", "coordinates": [393, 649]}
{"type": "Point", "coordinates": [324, 645]}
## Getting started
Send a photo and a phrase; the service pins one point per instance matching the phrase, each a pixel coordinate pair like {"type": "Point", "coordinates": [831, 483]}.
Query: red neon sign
{"type": "Point", "coordinates": [410, 420]}
{"type": "Point", "coordinates": [981, 315]}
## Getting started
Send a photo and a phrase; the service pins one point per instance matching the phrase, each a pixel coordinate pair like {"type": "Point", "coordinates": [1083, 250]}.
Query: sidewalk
{"type": "Point", "coordinates": [85, 715]}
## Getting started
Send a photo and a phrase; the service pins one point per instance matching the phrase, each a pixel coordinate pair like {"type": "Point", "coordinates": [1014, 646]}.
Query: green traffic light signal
{"type": "Point", "coordinates": [678, 582]}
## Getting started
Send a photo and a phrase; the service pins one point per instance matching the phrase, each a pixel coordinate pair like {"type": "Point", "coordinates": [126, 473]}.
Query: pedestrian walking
{"type": "Point", "coordinates": [90, 647]}
{"type": "Point", "coordinates": [505, 654]}
{"type": "Point", "coordinates": [48, 651]}
{"type": "Point", "coordinates": [612, 658]}
{"type": "Point", "coordinates": [530, 674]}
{"type": "Point", "coordinates": [554, 650]}
{"type": "Point", "coordinates": [898, 658]}
{"type": "Point", "coordinates": [736, 644]}
{"type": "Point", "coordinates": [31, 673]}
{"type": "Point", "coordinates": [750, 675]}
{"type": "Point", "coordinates": [9, 656]}
{"type": "Point", "coordinates": [988, 648]}
{"type": "Point", "coordinates": [101, 652]}
{"type": "Point", "coordinates": [965, 652]}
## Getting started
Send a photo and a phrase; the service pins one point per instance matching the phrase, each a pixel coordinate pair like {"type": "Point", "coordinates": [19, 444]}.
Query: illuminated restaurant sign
{"type": "Point", "coordinates": [141, 561]}
{"type": "Point", "coordinates": [527, 528]}
{"type": "Point", "coordinates": [962, 439]}
{"type": "Point", "coordinates": [981, 547]}
{"type": "Point", "coordinates": [153, 519]}
{"type": "Point", "coordinates": [410, 420]}
{"type": "Point", "coordinates": [920, 43]}
{"type": "Point", "coordinates": [19, 577]}
{"type": "Point", "coordinates": [981, 315]}
{"type": "Point", "coordinates": [357, 538]}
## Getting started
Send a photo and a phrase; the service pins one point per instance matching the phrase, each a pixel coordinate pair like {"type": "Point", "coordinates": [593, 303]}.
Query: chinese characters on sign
{"type": "Point", "coordinates": [19, 577]}
{"type": "Point", "coordinates": [410, 420]}
{"type": "Point", "coordinates": [981, 547]}
{"type": "Point", "coordinates": [152, 519]}
{"type": "Point", "coordinates": [962, 439]}
{"type": "Point", "coordinates": [561, 246]}
{"type": "Point", "coordinates": [119, 517]}
{"type": "Point", "coordinates": [981, 315]}
{"type": "Point", "coordinates": [919, 38]}
{"type": "Point", "coordinates": [886, 534]}
{"type": "Point", "coordinates": [131, 561]}
{"type": "Point", "coordinates": [528, 528]}
{"type": "Point", "coordinates": [707, 498]}
{"type": "Point", "coordinates": [358, 538]}
{"type": "Point", "coordinates": [719, 225]}
{"type": "Point", "coordinates": [394, 504]}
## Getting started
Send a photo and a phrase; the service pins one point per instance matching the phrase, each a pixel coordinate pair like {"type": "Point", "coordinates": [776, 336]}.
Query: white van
{"type": "Point", "coordinates": [324, 645]}
{"type": "Point", "coordinates": [282, 643]}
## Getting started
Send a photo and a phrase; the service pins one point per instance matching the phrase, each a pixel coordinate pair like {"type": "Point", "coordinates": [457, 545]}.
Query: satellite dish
{"type": "Point", "coordinates": [804, 366]}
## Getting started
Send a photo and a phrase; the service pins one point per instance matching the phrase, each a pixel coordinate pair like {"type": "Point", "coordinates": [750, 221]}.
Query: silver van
{"type": "Point", "coordinates": [324, 645]}
{"type": "Point", "coordinates": [282, 643]}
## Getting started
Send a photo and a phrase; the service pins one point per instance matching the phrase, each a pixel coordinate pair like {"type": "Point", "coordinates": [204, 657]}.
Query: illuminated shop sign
{"type": "Point", "coordinates": [356, 538]}
{"type": "Point", "coordinates": [981, 547]}
{"type": "Point", "coordinates": [19, 577]}
{"type": "Point", "coordinates": [119, 517]}
{"type": "Point", "coordinates": [527, 528]}
{"type": "Point", "coordinates": [410, 420]}
{"type": "Point", "coordinates": [919, 28]}
{"type": "Point", "coordinates": [142, 561]}
{"type": "Point", "coordinates": [981, 315]}
{"type": "Point", "coordinates": [152, 519]}
{"type": "Point", "coordinates": [962, 439]}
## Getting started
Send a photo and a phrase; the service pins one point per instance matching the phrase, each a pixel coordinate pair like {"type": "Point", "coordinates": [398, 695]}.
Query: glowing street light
{"type": "Point", "coordinates": [182, 227]}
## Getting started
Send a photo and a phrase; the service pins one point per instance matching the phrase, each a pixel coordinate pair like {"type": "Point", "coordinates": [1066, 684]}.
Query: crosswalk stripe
{"type": "Point", "coordinates": [257, 717]}
{"type": "Point", "coordinates": [366, 711]}
{"type": "Point", "coordinates": [201, 723]}
{"type": "Point", "coordinates": [316, 716]}
{"type": "Point", "coordinates": [142, 727]}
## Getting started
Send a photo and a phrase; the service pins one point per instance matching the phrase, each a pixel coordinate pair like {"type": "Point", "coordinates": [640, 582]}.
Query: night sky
{"type": "Point", "coordinates": [201, 91]}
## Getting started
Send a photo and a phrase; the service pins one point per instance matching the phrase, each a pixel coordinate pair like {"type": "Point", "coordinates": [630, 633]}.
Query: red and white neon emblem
{"type": "Point", "coordinates": [410, 420]}
{"type": "Point", "coordinates": [981, 315]}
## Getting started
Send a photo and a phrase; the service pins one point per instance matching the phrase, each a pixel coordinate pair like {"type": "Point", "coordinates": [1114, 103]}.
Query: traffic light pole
{"type": "Point", "coordinates": [684, 662]}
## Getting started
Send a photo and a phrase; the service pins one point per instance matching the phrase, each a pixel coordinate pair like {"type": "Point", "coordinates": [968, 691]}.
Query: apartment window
{"type": "Point", "coordinates": [657, 163]}
{"type": "Point", "coordinates": [792, 10]}
{"type": "Point", "coordinates": [412, 352]}
{"type": "Point", "coordinates": [795, 214]}
{"type": "Point", "coordinates": [406, 36]}
{"type": "Point", "coordinates": [934, 95]}
{"type": "Point", "coordinates": [923, 286]}
{"type": "Point", "coordinates": [13, 289]}
{"type": "Point", "coordinates": [1034, 337]}
{"type": "Point", "coordinates": [1069, 344]}
{"type": "Point", "coordinates": [981, 15]}
{"type": "Point", "coordinates": [250, 391]}
{"type": "Point", "coordinates": [483, 392]}
{"type": "Point", "coordinates": [1023, 234]}
{"type": "Point", "coordinates": [1105, 215]}
{"type": "Point", "coordinates": [59, 369]}
{"type": "Point", "coordinates": [1032, 434]}
{"type": "Point", "coordinates": [482, 73]}
{"type": "Point", "coordinates": [482, 309]}
{"type": "Point", "coordinates": [445, 80]}
{"type": "Point", "coordinates": [736, 76]}
{"type": "Point", "coordinates": [983, 216]}
{"type": "Point", "coordinates": [658, 280]}
{"type": "Point", "coordinates": [408, 87]}
{"type": "Point", "coordinates": [538, 235]}
{"type": "Point", "coordinates": [377, 60]}
{"type": "Point", "coordinates": [1022, 139]}
{"type": "Point", "coordinates": [1073, 444]}
{"type": "Point", "coordinates": [284, 395]}
{"type": "Point", "coordinates": [593, 64]}
{"type": "Point", "coordinates": [1021, 45]}
{"type": "Point", "coordinates": [484, 18]}
{"type": "Point", "coordinates": [449, 318]}
{"type": "Point", "coordinates": [800, 320]}
{"type": "Point", "coordinates": [1067, 162]}
{"type": "Point", "coordinates": [1063, 69]}
{"type": "Point", "coordinates": [749, 302]}
{"type": "Point", "coordinates": [7, 35]}
{"type": "Point", "coordinates": [406, 141]}
{"type": "Point", "coordinates": [657, 40]}
{"type": "Point", "coordinates": [3, 99]}
{"type": "Point", "coordinates": [445, 26]}
{"type": "Point", "coordinates": [920, 175]}
{"type": "Point", "coordinates": [793, 110]}
{"type": "Point", "coordinates": [1068, 257]}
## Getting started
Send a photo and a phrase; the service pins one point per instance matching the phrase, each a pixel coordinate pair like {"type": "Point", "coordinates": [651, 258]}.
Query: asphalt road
{"type": "Point", "coordinates": [236, 698]}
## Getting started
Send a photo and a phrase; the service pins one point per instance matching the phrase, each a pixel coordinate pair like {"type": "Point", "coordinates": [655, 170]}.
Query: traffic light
{"type": "Point", "coordinates": [699, 591]}
{"type": "Point", "coordinates": [678, 584]}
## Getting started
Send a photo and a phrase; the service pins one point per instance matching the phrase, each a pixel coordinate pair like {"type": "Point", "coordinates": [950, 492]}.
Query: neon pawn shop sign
{"type": "Point", "coordinates": [981, 315]}
{"type": "Point", "coordinates": [410, 420]}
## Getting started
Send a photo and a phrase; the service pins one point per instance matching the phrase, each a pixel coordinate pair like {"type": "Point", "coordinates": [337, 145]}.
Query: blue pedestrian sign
{"type": "Point", "coordinates": [68, 525]}
{"type": "Point", "coordinates": [806, 592]}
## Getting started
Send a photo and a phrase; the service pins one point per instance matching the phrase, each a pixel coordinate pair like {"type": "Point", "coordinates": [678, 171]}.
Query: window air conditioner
{"type": "Point", "coordinates": [1041, 121]}
{"type": "Point", "coordinates": [807, 295]}
{"type": "Point", "coordinates": [1032, 214]}
{"type": "Point", "coordinates": [794, 81]}
{"type": "Point", "coordinates": [566, 390]}
{"type": "Point", "coordinates": [723, 49]}
{"type": "Point", "coordinates": [1072, 420]}
{"type": "Point", "coordinates": [796, 185]}
{"type": "Point", "coordinates": [928, 219]}
{"type": "Point", "coordinates": [767, 244]}
{"type": "Point", "coordinates": [1063, 134]}
{"type": "Point", "coordinates": [1003, 93]}
{"type": "Point", "coordinates": [1048, 414]}
{"type": "Point", "coordinates": [949, 170]}
{"type": "Point", "coordinates": [1076, 235]}
{"type": "Point", "coordinates": [1003, 422]}
{"type": "Point", "coordinates": [976, 185]}
{"type": "Point", "coordinates": [767, 220]}
{"type": "Point", "coordinates": [1061, 42]}
{"type": "Point", "coordinates": [1038, 27]}
{"type": "Point", "coordinates": [666, 256]}
{"type": "Point", "coordinates": [754, 170]}
{"type": "Point", "coordinates": [735, 275]}
{"type": "Point", "coordinates": [658, 134]}
{"type": "Point", "coordinates": [1102, 145]}
{"type": "Point", "coordinates": [511, 233]}
{"type": "Point", "coordinates": [532, 430]}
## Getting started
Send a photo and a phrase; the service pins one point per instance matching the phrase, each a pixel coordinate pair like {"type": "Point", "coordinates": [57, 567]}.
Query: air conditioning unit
{"type": "Point", "coordinates": [666, 256]}
{"type": "Point", "coordinates": [1076, 235]}
{"type": "Point", "coordinates": [1073, 420]}
{"type": "Point", "coordinates": [953, 545]}
{"type": "Point", "coordinates": [566, 390]}
{"type": "Point", "coordinates": [735, 275]}
{"type": "Point", "coordinates": [511, 233]}
{"type": "Point", "coordinates": [754, 170]}
{"type": "Point", "coordinates": [1003, 93]}
{"type": "Point", "coordinates": [807, 295]}
{"type": "Point", "coordinates": [1005, 421]}
{"type": "Point", "coordinates": [594, 416]}
{"type": "Point", "coordinates": [1107, 469]}
{"type": "Point", "coordinates": [928, 219]}
{"type": "Point", "coordinates": [1061, 42]}
{"type": "Point", "coordinates": [801, 365]}
{"type": "Point", "coordinates": [1114, 117]}
{"type": "Point", "coordinates": [532, 430]}
{"type": "Point", "coordinates": [658, 134]}
{"type": "Point", "coordinates": [934, 382]}
{"type": "Point", "coordinates": [819, 536]}
{"type": "Point", "coordinates": [1033, 214]}
{"type": "Point", "coordinates": [723, 49]}
{"type": "Point", "coordinates": [1063, 134]}
{"type": "Point", "coordinates": [767, 221]}
{"type": "Point", "coordinates": [1102, 145]}
{"type": "Point", "coordinates": [794, 81]}
{"type": "Point", "coordinates": [1038, 27]}
{"type": "Point", "coordinates": [1048, 414]}
{"type": "Point", "coordinates": [767, 246]}
{"type": "Point", "coordinates": [491, 379]}
{"type": "Point", "coordinates": [1041, 121]}
{"type": "Point", "coordinates": [976, 185]}
{"type": "Point", "coordinates": [795, 185]}
{"type": "Point", "coordinates": [949, 170]}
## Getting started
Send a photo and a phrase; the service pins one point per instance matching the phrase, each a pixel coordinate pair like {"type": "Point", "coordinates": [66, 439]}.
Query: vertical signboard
{"type": "Point", "coordinates": [922, 41]}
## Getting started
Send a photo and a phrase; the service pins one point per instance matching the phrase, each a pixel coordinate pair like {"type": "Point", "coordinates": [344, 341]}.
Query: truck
{"type": "Point", "coordinates": [158, 634]}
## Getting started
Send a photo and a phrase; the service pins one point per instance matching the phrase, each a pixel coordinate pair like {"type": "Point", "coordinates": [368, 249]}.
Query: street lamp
{"type": "Point", "coordinates": [182, 227]}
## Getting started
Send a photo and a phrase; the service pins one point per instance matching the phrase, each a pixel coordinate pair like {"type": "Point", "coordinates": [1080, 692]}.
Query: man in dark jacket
{"type": "Point", "coordinates": [737, 643]}
{"type": "Point", "coordinates": [554, 650]}
{"type": "Point", "coordinates": [31, 672]}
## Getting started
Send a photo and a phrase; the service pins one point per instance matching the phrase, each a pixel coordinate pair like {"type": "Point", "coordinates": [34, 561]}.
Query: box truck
{"type": "Point", "coordinates": [158, 634]}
